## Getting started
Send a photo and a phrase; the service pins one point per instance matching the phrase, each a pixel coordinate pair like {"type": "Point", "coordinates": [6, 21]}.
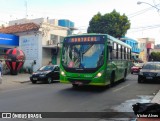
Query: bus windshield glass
{"type": "Point", "coordinates": [83, 56]}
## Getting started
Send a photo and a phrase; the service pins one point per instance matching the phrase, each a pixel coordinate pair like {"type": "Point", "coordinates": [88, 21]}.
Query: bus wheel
{"type": "Point", "coordinates": [112, 79]}
{"type": "Point", "coordinates": [125, 75]}
{"type": "Point", "coordinates": [75, 85]}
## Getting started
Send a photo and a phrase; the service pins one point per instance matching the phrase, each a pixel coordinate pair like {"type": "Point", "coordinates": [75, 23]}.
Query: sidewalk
{"type": "Point", "coordinates": [21, 78]}
{"type": "Point", "coordinates": [14, 81]}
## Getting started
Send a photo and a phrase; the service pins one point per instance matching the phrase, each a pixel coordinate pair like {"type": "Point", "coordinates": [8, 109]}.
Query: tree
{"type": "Point", "coordinates": [112, 23]}
{"type": "Point", "coordinates": [155, 56]}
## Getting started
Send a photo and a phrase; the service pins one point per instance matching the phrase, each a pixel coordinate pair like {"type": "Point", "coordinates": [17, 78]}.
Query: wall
{"type": "Point", "coordinates": [48, 29]}
{"type": "Point", "coordinates": [143, 45]}
{"type": "Point", "coordinates": [46, 51]}
{"type": "Point", "coordinates": [31, 47]}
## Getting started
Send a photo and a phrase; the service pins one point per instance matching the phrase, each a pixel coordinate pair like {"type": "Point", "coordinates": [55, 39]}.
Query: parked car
{"type": "Point", "coordinates": [136, 67]}
{"type": "Point", "coordinates": [149, 71]}
{"type": "Point", "coordinates": [46, 73]}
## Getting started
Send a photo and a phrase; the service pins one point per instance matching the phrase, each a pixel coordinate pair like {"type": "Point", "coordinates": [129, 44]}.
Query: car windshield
{"type": "Point", "coordinates": [46, 68]}
{"type": "Point", "coordinates": [152, 66]}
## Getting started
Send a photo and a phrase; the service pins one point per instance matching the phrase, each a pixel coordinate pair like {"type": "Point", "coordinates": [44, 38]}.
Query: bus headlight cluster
{"type": "Point", "coordinates": [62, 73]}
{"type": "Point", "coordinates": [99, 74]}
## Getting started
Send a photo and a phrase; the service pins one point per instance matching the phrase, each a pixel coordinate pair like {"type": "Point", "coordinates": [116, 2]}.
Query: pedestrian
{"type": "Point", "coordinates": [1, 70]}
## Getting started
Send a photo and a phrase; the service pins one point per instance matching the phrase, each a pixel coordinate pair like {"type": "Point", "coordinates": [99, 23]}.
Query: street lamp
{"type": "Point", "coordinates": [139, 2]}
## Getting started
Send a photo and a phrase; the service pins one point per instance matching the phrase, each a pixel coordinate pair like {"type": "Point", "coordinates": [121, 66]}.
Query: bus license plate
{"type": "Point", "coordinates": [78, 82]}
{"type": "Point", "coordinates": [149, 77]}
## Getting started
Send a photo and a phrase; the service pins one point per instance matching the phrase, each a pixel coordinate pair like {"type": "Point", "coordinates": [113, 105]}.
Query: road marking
{"type": "Point", "coordinates": [121, 88]}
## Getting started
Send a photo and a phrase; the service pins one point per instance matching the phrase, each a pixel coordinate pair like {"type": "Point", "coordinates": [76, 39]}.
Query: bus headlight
{"type": "Point", "coordinates": [62, 73]}
{"type": "Point", "coordinates": [99, 74]}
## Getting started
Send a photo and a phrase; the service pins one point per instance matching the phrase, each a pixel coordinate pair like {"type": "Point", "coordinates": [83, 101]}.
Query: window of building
{"type": "Point", "coordinates": [61, 39]}
{"type": "Point", "coordinates": [54, 39]}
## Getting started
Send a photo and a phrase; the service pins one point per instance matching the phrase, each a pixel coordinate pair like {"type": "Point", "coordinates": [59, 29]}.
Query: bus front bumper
{"type": "Point", "coordinates": [94, 81]}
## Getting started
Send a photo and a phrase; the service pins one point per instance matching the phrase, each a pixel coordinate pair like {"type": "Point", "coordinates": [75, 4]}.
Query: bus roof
{"type": "Point", "coordinates": [108, 36]}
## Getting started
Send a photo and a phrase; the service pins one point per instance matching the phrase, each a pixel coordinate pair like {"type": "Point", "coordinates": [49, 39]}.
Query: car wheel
{"type": "Point", "coordinates": [139, 80]}
{"type": "Point", "coordinates": [49, 80]}
{"type": "Point", "coordinates": [131, 72]}
{"type": "Point", "coordinates": [34, 81]}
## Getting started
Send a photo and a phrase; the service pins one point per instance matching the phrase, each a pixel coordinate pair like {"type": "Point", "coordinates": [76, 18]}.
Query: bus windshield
{"type": "Point", "coordinates": [81, 56]}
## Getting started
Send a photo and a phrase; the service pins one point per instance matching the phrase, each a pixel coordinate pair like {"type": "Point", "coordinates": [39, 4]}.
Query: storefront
{"type": "Point", "coordinates": [7, 41]}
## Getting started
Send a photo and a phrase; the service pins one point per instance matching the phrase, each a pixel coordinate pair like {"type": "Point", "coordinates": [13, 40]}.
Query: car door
{"type": "Point", "coordinates": [56, 72]}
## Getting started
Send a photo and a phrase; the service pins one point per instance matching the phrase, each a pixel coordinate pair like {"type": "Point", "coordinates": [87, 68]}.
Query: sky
{"type": "Point", "coordinates": [144, 19]}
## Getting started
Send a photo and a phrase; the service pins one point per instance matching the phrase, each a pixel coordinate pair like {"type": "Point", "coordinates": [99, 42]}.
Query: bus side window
{"type": "Point", "coordinates": [124, 53]}
{"type": "Point", "coordinates": [127, 53]}
{"type": "Point", "coordinates": [114, 49]}
{"type": "Point", "coordinates": [119, 52]}
{"type": "Point", "coordinates": [109, 52]}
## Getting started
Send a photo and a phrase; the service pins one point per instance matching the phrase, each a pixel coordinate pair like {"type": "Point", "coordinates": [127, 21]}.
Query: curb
{"type": "Point", "coordinates": [25, 81]}
{"type": "Point", "coordinates": [156, 98]}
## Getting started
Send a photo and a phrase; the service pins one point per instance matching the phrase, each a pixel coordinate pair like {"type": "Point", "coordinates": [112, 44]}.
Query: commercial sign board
{"type": "Point", "coordinates": [9, 40]}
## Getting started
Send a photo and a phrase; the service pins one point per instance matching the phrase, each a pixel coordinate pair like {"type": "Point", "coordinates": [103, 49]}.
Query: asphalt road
{"type": "Point", "coordinates": [57, 97]}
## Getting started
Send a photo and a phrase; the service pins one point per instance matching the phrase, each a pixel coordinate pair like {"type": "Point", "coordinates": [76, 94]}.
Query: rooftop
{"type": "Point", "coordinates": [20, 28]}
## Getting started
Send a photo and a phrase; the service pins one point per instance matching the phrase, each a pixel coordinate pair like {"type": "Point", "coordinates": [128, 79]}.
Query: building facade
{"type": "Point", "coordinates": [135, 49]}
{"type": "Point", "coordinates": [39, 39]}
{"type": "Point", "coordinates": [146, 45]}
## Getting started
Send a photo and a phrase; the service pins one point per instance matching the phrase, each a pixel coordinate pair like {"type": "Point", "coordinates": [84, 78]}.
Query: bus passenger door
{"type": "Point", "coordinates": [109, 61]}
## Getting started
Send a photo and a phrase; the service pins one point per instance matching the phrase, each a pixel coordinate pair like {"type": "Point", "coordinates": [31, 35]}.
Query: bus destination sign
{"type": "Point", "coordinates": [83, 39]}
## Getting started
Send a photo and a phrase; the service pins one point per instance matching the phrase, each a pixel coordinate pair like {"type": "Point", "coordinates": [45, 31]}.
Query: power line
{"type": "Point", "coordinates": [150, 26]}
{"type": "Point", "coordinates": [141, 11]}
{"type": "Point", "coordinates": [145, 28]}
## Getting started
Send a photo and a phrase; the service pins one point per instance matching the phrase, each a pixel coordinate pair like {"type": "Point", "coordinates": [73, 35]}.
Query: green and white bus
{"type": "Point", "coordinates": [94, 59]}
